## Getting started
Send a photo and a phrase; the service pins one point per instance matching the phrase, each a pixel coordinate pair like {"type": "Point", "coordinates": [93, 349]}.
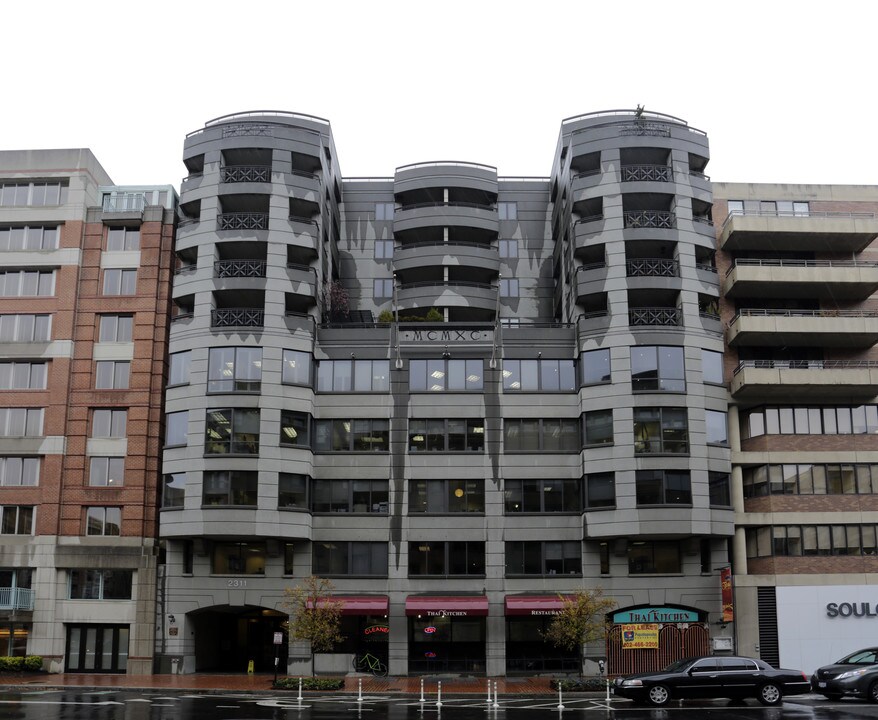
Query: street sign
{"type": "Point", "coordinates": [278, 638]}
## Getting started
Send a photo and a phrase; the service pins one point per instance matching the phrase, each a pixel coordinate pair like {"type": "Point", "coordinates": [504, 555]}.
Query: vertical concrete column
{"type": "Point", "coordinates": [495, 641]}
{"type": "Point", "coordinates": [398, 642]}
{"type": "Point", "coordinates": [739, 544]}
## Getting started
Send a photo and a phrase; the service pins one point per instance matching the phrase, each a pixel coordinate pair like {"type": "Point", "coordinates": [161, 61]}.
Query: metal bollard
{"type": "Point", "coordinates": [422, 691]}
{"type": "Point", "coordinates": [439, 695]}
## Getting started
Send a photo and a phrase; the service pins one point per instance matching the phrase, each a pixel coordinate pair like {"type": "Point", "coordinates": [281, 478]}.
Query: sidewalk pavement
{"type": "Point", "coordinates": [207, 682]}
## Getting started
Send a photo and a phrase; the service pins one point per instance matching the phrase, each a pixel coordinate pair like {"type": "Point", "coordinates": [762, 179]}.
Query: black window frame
{"type": "Point", "coordinates": [439, 497]}
{"type": "Point", "coordinates": [445, 559]}
{"type": "Point", "coordinates": [425, 368]}
{"type": "Point", "coordinates": [574, 430]}
{"type": "Point", "coordinates": [327, 434]}
{"type": "Point", "coordinates": [537, 369]}
{"type": "Point", "coordinates": [643, 440]}
{"type": "Point", "coordinates": [341, 558]}
{"type": "Point", "coordinates": [241, 488]}
{"type": "Point", "coordinates": [329, 497]}
{"type": "Point", "coordinates": [659, 382]}
{"type": "Point", "coordinates": [238, 442]}
{"type": "Point", "coordinates": [670, 487]}
{"type": "Point", "coordinates": [533, 496]}
{"type": "Point", "coordinates": [535, 559]}
{"type": "Point", "coordinates": [473, 435]}
{"type": "Point", "coordinates": [600, 480]}
{"type": "Point", "coordinates": [336, 380]}
{"type": "Point", "coordinates": [235, 385]}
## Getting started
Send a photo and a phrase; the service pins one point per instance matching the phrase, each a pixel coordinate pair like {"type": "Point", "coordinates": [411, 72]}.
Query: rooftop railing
{"type": "Point", "coordinates": [446, 163]}
{"type": "Point", "coordinates": [127, 202]}
{"type": "Point", "coordinates": [477, 206]}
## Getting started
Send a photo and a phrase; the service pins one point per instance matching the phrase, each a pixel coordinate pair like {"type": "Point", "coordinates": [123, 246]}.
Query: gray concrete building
{"type": "Point", "coordinates": [457, 395]}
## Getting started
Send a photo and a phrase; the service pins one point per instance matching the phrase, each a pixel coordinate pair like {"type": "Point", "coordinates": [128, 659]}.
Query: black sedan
{"type": "Point", "coordinates": [713, 677]}
{"type": "Point", "coordinates": [855, 675]}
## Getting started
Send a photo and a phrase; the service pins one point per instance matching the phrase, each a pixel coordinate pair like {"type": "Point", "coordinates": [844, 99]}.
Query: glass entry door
{"type": "Point", "coordinates": [97, 648]}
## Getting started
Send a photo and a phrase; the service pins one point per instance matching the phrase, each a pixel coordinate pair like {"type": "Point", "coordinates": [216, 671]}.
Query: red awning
{"type": "Point", "coordinates": [361, 604]}
{"type": "Point", "coordinates": [534, 605]}
{"type": "Point", "coordinates": [447, 605]}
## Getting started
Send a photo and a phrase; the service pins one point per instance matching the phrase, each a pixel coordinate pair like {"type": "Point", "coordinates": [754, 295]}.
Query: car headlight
{"type": "Point", "coordinates": [852, 673]}
{"type": "Point", "coordinates": [632, 683]}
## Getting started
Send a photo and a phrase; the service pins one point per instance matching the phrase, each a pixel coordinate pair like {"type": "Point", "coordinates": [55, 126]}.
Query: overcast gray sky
{"type": "Point", "coordinates": [785, 90]}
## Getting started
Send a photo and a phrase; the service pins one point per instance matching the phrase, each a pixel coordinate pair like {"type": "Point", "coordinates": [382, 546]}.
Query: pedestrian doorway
{"type": "Point", "coordinates": [229, 638]}
{"type": "Point", "coordinates": [97, 648]}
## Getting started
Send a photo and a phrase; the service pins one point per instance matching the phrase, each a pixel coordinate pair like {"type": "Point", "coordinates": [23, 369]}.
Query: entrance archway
{"type": "Point", "coordinates": [227, 638]}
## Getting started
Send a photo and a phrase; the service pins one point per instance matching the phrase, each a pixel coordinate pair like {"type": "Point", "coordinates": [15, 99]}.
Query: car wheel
{"type": "Point", "coordinates": [873, 692]}
{"type": "Point", "coordinates": [769, 694]}
{"type": "Point", "coordinates": [659, 695]}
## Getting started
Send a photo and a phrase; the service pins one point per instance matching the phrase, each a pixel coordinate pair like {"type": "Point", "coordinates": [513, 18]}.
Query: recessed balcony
{"type": "Point", "coordinates": [237, 318]}
{"type": "Point", "coordinates": [591, 279]}
{"type": "Point", "coordinates": [804, 231]}
{"type": "Point", "coordinates": [655, 316]}
{"type": "Point", "coordinates": [799, 328]}
{"type": "Point", "coordinates": [647, 173]}
{"type": "Point", "coordinates": [239, 269]}
{"type": "Point", "coordinates": [441, 214]}
{"type": "Point", "coordinates": [451, 293]}
{"type": "Point", "coordinates": [805, 379]}
{"type": "Point", "coordinates": [649, 219]}
{"type": "Point", "coordinates": [246, 174]}
{"type": "Point", "coordinates": [801, 278]}
{"type": "Point", "coordinates": [652, 267]}
{"type": "Point", "coordinates": [242, 221]}
{"type": "Point", "coordinates": [409, 256]}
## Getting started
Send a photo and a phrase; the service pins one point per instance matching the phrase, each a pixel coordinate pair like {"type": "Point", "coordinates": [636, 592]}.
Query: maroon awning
{"type": "Point", "coordinates": [534, 605]}
{"type": "Point", "coordinates": [447, 605]}
{"type": "Point", "coordinates": [361, 604]}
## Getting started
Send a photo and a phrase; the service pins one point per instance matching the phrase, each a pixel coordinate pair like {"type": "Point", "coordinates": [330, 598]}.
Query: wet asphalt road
{"type": "Point", "coordinates": [157, 705]}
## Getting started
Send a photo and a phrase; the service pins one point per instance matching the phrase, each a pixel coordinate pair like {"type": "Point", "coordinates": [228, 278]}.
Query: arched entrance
{"type": "Point", "coordinates": [227, 638]}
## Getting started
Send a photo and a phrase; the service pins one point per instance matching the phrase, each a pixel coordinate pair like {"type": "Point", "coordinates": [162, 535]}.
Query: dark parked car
{"type": "Point", "coordinates": [713, 677]}
{"type": "Point", "coordinates": [855, 675]}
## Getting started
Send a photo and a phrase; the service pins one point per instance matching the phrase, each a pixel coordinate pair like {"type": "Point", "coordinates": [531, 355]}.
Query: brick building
{"type": "Point", "coordinates": [85, 269]}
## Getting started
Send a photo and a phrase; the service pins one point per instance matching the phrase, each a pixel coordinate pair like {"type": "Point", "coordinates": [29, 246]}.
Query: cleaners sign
{"type": "Point", "coordinates": [640, 636]}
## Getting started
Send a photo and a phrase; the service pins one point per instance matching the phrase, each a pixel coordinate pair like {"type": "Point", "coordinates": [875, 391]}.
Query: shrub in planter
{"type": "Point", "coordinates": [11, 664]}
{"type": "Point", "coordinates": [33, 663]}
{"type": "Point", "coordinates": [310, 683]}
{"type": "Point", "coordinates": [589, 684]}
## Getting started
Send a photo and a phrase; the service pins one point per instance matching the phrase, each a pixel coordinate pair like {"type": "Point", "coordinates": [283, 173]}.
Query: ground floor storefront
{"type": "Point", "coordinates": [442, 634]}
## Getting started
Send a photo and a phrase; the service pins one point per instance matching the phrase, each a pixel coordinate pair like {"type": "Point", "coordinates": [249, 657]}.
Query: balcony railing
{"type": "Point", "coordinates": [755, 312]}
{"type": "Point", "coordinates": [800, 214]}
{"type": "Point", "coordinates": [446, 283]}
{"type": "Point", "coordinates": [237, 317]}
{"type": "Point", "coordinates": [239, 268]}
{"type": "Point", "coordinates": [652, 267]}
{"type": "Point", "coordinates": [800, 264]}
{"type": "Point", "coordinates": [12, 598]}
{"type": "Point", "coordinates": [186, 269]}
{"type": "Point", "coordinates": [126, 202]}
{"type": "Point", "coordinates": [246, 173]}
{"type": "Point", "coordinates": [645, 128]}
{"type": "Point", "coordinates": [647, 173]}
{"type": "Point", "coordinates": [806, 364]}
{"type": "Point", "coordinates": [242, 221]}
{"type": "Point", "coordinates": [476, 206]}
{"type": "Point", "coordinates": [655, 219]}
{"type": "Point", "coordinates": [654, 316]}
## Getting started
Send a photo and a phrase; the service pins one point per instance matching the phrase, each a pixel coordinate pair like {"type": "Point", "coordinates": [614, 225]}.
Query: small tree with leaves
{"type": "Point", "coordinates": [581, 620]}
{"type": "Point", "coordinates": [336, 302]}
{"type": "Point", "coordinates": [315, 616]}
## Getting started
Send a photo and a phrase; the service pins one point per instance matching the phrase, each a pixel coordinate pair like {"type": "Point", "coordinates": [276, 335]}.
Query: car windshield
{"type": "Point", "coordinates": [860, 657]}
{"type": "Point", "coordinates": [680, 664]}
